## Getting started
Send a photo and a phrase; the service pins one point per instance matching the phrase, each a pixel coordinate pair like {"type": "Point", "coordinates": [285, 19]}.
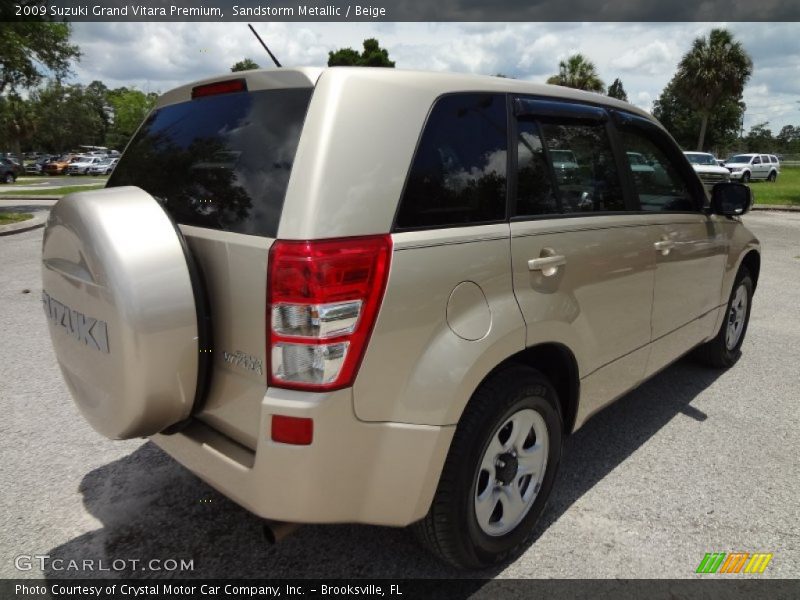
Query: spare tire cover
{"type": "Point", "coordinates": [121, 308]}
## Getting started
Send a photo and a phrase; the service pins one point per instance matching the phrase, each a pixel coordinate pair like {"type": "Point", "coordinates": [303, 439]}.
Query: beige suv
{"type": "Point", "coordinates": [367, 295]}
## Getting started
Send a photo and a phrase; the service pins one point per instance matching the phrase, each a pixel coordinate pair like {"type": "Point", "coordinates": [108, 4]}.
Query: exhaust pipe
{"type": "Point", "coordinates": [275, 531]}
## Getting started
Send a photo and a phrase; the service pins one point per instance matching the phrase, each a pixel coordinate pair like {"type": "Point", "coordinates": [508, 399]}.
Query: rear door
{"type": "Point", "coordinates": [766, 166]}
{"type": "Point", "coordinates": [582, 258]}
{"type": "Point", "coordinates": [688, 244]}
{"type": "Point", "coordinates": [219, 164]}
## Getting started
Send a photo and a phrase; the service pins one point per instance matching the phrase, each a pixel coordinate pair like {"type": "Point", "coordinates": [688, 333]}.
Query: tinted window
{"type": "Point", "coordinates": [221, 162]}
{"type": "Point", "coordinates": [458, 176]}
{"type": "Point", "coordinates": [586, 176]}
{"type": "Point", "coordinates": [536, 193]}
{"type": "Point", "coordinates": [657, 180]}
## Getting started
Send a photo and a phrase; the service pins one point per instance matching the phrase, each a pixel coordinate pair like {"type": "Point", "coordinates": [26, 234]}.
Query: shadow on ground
{"type": "Point", "coordinates": [151, 507]}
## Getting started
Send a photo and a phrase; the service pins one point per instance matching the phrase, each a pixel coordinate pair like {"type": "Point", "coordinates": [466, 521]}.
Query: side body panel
{"type": "Point", "coordinates": [598, 303]}
{"type": "Point", "coordinates": [417, 368]}
{"type": "Point", "coordinates": [688, 285]}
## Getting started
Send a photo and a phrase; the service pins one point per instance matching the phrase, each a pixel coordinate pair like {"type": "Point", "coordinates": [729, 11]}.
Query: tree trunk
{"type": "Point", "coordinates": [703, 126]}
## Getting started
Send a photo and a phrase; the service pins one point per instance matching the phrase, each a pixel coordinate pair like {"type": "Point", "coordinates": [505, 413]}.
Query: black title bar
{"type": "Point", "coordinates": [400, 10]}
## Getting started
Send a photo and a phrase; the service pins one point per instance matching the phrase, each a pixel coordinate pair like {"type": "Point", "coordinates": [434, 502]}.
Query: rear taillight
{"type": "Point", "coordinates": [324, 298]}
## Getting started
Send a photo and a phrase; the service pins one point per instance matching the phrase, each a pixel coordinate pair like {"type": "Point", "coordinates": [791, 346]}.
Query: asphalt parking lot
{"type": "Point", "coordinates": [694, 461]}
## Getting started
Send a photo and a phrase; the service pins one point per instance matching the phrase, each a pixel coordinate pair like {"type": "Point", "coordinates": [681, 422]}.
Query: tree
{"type": "Point", "coordinates": [129, 108]}
{"type": "Point", "coordinates": [66, 117]}
{"type": "Point", "coordinates": [29, 49]}
{"type": "Point", "coordinates": [617, 90]}
{"type": "Point", "coordinates": [372, 56]}
{"type": "Point", "coordinates": [578, 72]}
{"type": "Point", "coordinates": [246, 64]}
{"type": "Point", "coordinates": [17, 121]}
{"type": "Point", "coordinates": [681, 118]}
{"type": "Point", "coordinates": [715, 69]}
{"type": "Point", "coordinates": [759, 138]}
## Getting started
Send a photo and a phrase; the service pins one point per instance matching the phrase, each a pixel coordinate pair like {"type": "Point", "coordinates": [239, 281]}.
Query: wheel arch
{"type": "Point", "coordinates": [556, 362]}
{"type": "Point", "coordinates": [751, 260]}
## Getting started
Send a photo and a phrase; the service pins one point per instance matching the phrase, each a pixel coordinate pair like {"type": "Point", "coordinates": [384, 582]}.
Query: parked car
{"type": "Point", "coordinates": [565, 165]}
{"type": "Point", "coordinates": [103, 167]}
{"type": "Point", "coordinates": [402, 340]}
{"type": "Point", "coordinates": [37, 167]}
{"type": "Point", "coordinates": [744, 167]}
{"type": "Point", "coordinates": [707, 168]}
{"type": "Point", "coordinates": [82, 165]}
{"type": "Point", "coordinates": [58, 166]}
{"type": "Point", "coordinates": [9, 170]}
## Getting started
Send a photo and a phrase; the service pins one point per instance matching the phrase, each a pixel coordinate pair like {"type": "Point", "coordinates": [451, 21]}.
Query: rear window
{"type": "Point", "coordinates": [220, 162]}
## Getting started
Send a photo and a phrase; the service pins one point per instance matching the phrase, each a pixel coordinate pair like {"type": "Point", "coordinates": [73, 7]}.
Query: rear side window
{"type": "Point", "coordinates": [221, 162]}
{"type": "Point", "coordinates": [583, 163]}
{"type": "Point", "coordinates": [565, 166]}
{"type": "Point", "coordinates": [458, 176]}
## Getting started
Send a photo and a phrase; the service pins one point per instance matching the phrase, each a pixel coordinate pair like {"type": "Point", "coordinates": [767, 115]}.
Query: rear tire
{"type": "Point", "coordinates": [725, 349]}
{"type": "Point", "coordinates": [9, 178]}
{"type": "Point", "coordinates": [772, 177]}
{"type": "Point", "coordinates": [486, 506]}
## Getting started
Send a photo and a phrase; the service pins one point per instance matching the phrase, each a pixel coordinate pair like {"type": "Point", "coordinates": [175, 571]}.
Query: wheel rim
{"type": "Point", "coordinates": [746, 177]}
{"type": "Point", "coordinates": [511, 472]}
{"type": "Point", "coordinates": [736, 316]}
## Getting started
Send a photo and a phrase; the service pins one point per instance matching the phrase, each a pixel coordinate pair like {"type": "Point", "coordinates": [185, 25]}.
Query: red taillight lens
{"type": "Point", "coordinates": [220, 87]}
{"type": "Point", "coordinates": [324, 298]}
{"type": "Point", "coordinates": [292, 430]}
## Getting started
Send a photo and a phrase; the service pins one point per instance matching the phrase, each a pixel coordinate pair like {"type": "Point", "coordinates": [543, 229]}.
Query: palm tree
{"type": "Point", "coordinates": [578, 72]}
{"type": "Point", "coordinates": [716, 68]}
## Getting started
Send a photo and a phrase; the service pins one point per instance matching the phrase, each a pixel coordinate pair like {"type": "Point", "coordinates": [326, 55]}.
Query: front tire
{"type": "Point", "coordinates": [725, 349]}
{"type": "Point", "coordinates": [9, 178]}
{"type": "Point", "coordinates": [745, 177]}
{"type": "Point", "coordinates": [498, 474]}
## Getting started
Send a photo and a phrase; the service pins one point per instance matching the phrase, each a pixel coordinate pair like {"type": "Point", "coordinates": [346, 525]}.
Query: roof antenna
{"type": "Point", "coordinates": [271, 55]}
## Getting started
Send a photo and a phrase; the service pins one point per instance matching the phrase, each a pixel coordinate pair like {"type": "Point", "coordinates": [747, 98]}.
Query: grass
{"type": "Point", "coordinates": [6, 218]}
{"type": "Point", "coordinates": [786, 190]}
{"type": "Point", "coordinates": [60, 191]}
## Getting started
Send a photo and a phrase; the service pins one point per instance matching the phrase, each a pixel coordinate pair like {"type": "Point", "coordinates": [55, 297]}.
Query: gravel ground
{"type": "Point", "coordinates": [694, 461]}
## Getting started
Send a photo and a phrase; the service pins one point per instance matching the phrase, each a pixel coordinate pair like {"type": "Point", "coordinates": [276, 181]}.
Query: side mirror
{"type": "Point", "coordinates": [731, 199]}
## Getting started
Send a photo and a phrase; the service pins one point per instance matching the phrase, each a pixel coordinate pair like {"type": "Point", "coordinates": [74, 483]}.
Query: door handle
{"type": "Point", "coordinates": [548, 265]}
{"type": "Point", "coordinates": [664, 246]}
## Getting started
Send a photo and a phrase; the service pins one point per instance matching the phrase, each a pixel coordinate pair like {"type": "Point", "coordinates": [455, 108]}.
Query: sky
{"type": "Point", "coordinates": [159, 56]}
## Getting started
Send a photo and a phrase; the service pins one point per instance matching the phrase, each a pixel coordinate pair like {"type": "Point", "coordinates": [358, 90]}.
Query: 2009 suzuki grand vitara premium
{"type": "Point", "coordinates": [367, 295]}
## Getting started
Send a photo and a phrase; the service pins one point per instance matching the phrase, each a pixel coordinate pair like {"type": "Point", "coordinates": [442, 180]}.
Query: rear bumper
{"type": "Point", "coordinates": [377, 473]}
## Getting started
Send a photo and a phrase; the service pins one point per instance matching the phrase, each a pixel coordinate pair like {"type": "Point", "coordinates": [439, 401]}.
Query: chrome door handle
{"type": "Point", "coordinates": [664, 246]}
{"type": "Point", "coordinates": [548, 265]}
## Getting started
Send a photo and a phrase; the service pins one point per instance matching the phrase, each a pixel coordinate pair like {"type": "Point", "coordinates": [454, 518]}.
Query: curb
{"type": "Point", "coordinates": [26, 198]}
{"type": "Point", "coordinates": [781, 207]}
{"type": "Point", "coordinates": [39, 219]}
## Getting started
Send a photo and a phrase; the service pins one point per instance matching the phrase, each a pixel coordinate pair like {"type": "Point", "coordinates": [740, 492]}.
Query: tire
{"type": "Point", "coordinates": [772, 177]}
{"type": "Point", "coordinates": [725, 349]}
{"type": "Point", "coordinates": [9, 178]}
{"type": "Point", "coordinates": [453, 529]}
{"type": "Point", "coordinates": [745, 177]}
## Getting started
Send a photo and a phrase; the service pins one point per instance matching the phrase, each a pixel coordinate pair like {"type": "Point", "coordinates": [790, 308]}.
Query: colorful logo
{"type": "Point", "coordinates": [735, 562]}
